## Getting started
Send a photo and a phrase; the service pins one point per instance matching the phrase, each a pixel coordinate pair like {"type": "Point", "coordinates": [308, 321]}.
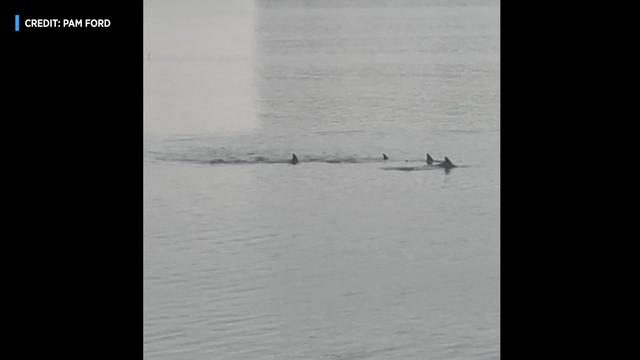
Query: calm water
{"type": "Point", "coordinates": [248, 257]}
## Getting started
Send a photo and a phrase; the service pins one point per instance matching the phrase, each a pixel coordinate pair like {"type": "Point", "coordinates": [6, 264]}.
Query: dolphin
{"type": "Point", "coordinates": [294, 159]}
{"type": "Point", "coordinates": [384, 156]}
{"type": "Point", "coordinates": [447, 164]}
{"type": "Point", "coordinates": [430, 160]}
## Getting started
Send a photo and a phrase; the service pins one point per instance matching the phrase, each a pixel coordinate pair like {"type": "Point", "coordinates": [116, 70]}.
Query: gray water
{"type": "Point", "coordinates": [249, 257]}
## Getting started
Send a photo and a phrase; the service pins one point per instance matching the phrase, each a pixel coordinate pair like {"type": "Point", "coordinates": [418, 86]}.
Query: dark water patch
{"type": "Point", "coordinates": [420, 168]}
{"type": "Point", "coordinates": [412, 168]}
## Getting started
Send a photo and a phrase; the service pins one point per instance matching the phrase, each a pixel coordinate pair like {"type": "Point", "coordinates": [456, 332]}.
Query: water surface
{"type": "Point", "coordinates": [249, 257]}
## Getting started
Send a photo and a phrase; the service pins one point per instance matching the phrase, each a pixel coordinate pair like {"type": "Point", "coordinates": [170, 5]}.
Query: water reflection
{"type": "Point", "coordinates": [199, 69]}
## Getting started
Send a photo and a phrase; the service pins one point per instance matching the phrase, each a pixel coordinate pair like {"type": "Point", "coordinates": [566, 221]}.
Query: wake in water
{"type": "Point", "coordinates": [421, 168]}
{"type": "Point", "coordinates": [429, 164]}
{"type": "Point", "coordinates": [273, 160]}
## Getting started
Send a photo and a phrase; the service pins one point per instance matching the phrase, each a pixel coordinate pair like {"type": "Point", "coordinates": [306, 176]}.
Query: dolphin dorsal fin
{"type": "Point", "coordinates": [447, 161]}
{"type": "Point", "coordinates": [429, 159]}
{"type": "Point", "coordinates": [384, 156]}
